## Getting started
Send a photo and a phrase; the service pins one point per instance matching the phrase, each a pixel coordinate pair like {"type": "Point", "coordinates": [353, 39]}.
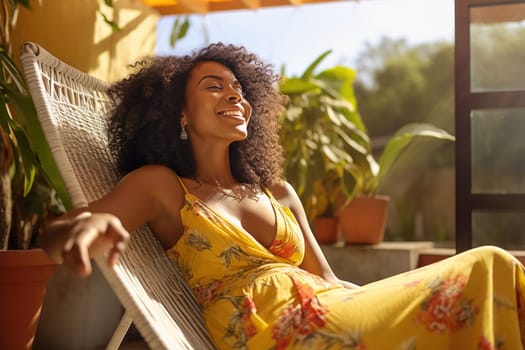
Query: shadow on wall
{"type": "Point", "coordinates": [80, 37]}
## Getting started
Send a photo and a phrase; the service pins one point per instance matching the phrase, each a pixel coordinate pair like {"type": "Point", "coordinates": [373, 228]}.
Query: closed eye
{"type": "Point", "coordinates": [237, 86]}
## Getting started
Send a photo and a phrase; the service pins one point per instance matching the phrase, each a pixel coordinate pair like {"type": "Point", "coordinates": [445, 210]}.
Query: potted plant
{"type": "Point", "coordinates": [29, 182]}
{"type": "Point", "coordinates": [320, 130]}
{"type": "Point", "coordinates": [363, 217]}
{"type": "Point", "coordinates": [329, 155]}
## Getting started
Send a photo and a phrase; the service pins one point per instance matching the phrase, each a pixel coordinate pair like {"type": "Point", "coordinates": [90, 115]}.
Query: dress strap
{"type": "Point", "coordinates": [182, 184]}
{"type": "Point", "coordinates": [269, 194]}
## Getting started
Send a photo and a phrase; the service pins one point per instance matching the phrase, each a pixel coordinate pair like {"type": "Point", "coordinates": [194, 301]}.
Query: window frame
{"type": "Point", "coordinates": [467, 101]}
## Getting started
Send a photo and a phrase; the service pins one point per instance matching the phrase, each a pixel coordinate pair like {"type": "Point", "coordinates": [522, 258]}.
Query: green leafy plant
{"type": "Point", "coordinates": [328, 151]}
{"type": "Point", "coordinates": [110, 22]}
{"type": "Point", "coordinates": [179, 30]}
{"type": "Point", "coordinates": [30, 183]}
{"type": "Point", "coordinates": [321, 130]}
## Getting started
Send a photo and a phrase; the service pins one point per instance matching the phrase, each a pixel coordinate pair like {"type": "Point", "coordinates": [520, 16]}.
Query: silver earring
{"type": "Point", "coordinates": [183, 133]}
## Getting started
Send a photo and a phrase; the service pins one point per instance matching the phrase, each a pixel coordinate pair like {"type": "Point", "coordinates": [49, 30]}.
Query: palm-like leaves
{"type": "Point", "coordinates": [327, 148]}
{"type": "Point", "coordinates": [322, 132]}
{"type": "Point", "coordinates": [18, 118]}
{"type": "Point", "coordinates": [27, 169]}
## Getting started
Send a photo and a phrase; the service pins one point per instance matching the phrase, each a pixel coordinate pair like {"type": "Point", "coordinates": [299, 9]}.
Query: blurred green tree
{"type": "Point", "coordinates": [399, 84]}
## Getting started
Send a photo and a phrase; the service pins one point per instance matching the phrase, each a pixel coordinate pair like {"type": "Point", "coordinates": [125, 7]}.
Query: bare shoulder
{"type": "Point", "coordinates": [151, 177]}
{"type": "Point", "coordinates": [286, 195]}
{"type": "Point", "coordinates": [158, 181]}
{"type": "Point", "coordinates": [284, 192]}
{"type": "Point", "coordinates": [151, 172]}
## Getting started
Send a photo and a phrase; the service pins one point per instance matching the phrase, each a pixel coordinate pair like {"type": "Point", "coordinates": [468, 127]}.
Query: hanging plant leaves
{"type": "Point", "coordinates": [27, 122]}
{"type": "Point", "coordinates": [114, 26]}
{"type": "Point", "coordinates": [179, 30]}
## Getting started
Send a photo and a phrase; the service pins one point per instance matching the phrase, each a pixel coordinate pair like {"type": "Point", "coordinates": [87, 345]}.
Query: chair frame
{"type": "Point", "coordinates": [73, 108]}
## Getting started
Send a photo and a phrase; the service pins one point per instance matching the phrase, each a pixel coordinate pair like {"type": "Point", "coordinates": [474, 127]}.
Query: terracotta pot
{"type": "Point", "coordinates": [23, 280]}
{"type": "Point", "coordinates": [325, 229]}
{"type": "Point", "coordinates": [363, 220]}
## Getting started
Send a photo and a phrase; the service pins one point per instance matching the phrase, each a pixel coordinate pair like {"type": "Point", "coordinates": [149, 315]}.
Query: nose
{"type": "Point", "coordinates": [234, 95]}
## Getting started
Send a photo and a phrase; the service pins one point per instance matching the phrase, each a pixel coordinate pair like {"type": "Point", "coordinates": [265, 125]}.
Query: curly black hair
{"type": "Point", "coordinates": [145, 125]}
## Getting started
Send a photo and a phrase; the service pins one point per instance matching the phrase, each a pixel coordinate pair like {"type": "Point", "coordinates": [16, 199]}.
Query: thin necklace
{"type": "Point", "coordinates": [237, 191]}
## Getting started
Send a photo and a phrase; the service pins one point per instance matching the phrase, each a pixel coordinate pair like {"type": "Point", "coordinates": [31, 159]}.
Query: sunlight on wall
{"type": "Point", "coordinates": [80, 37]}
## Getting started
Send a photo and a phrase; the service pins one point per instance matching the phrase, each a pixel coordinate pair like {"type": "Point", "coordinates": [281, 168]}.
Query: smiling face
{"type": "Point", "coordinates": [215, 106]}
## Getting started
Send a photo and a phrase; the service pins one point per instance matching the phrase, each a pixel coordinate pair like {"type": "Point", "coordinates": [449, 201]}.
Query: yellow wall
{"type": "Point", "coordinates": [75, 32]}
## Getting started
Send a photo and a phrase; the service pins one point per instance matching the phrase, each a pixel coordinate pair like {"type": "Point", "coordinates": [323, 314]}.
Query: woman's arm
{"type": "Point", "coordinates": [314, 260]}
{"type": "Point", "coordinates": [102, 228]}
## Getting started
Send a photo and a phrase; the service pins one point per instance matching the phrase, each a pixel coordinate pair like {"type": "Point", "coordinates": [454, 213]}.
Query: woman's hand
{"type": "Point", "coordinates": [74, 241]}
{"type": "Point", "coordinates": [348, 285]}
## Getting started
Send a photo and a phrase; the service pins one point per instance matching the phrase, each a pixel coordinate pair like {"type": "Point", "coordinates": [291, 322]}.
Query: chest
{"type": "Point", "coordinates": [255, 214]}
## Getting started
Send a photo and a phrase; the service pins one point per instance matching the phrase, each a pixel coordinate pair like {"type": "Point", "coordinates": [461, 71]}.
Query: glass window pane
{"type": "Point", "coordinates": [497, 34]}
{"type": "Point", "coordinates": [498, 150]}
{"type": "Point", "coordinates": [502, 228]}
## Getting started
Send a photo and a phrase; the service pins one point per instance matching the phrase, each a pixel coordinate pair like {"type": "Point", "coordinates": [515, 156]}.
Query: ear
{"type": "Point", "coordinates": [250, 110]}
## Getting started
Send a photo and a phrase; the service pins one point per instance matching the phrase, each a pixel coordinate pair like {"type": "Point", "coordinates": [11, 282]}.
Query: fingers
{"type": "Point", "coordinates": [120, 238]}
{"type": "Point", "coordinates": [92, 235]}
{"type": "Point", "coordinates": [115, 253]}
{"type": "Point", "coordinates": [76, 252]}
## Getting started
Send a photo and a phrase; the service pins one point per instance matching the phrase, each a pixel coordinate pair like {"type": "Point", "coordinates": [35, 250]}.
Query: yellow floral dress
{"type": "Point", "coordinates": [258, 298]}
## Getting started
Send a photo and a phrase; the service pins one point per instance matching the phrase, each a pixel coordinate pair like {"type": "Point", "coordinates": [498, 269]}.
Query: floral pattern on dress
{"type": "Point", "coordinates": [240, 328]}
{"type": "Point", "coordinates": [299, 320]}
{"type": "Point", "coordinates": [247, 310]}
{"type": "Point", "coordinates": [284, 249]}
{"type": "Point", "coordinates": [231, 253]}
{"type": "Point", "coordinates": [235, 252]}
{"type": "Point", "coordinates": [183, 269]}
{"type": "Point", "coordinates": [208, 292]}
{"type": "Point", "coordinates": [200, 209]}
{"type": "Point", "coordinates": [447, 308]}
{"type": "Point", "coordinates": [197, 240]}
{"type": "Point", "coordinates": [486, 344]}
{"type": "Point", "coordinates": [411, 284]}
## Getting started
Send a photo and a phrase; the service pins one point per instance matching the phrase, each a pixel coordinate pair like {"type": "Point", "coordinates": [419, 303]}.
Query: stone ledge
{"type": "Point", "coordinates": [432, 255]}
{"type": "Point", "coordinates": [363, 264]}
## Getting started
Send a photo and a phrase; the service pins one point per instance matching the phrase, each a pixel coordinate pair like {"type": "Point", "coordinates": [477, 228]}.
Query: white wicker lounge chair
{"type": "Point", "coordinates": [72, 107]}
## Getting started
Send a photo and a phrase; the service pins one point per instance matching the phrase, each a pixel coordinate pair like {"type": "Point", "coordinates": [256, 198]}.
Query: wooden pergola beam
{"type": "Point", "coordinates": [179, 7]}
{"type": "Point", "coordinates": [252, 4]}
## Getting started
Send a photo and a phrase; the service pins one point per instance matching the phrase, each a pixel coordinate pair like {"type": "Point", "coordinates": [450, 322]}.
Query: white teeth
{"type": "Point", "coordinates": [236, 113]}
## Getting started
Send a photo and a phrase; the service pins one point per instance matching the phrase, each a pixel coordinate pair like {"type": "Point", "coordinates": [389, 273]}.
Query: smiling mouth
{"type": "Point", "coordinates": [232, 113]}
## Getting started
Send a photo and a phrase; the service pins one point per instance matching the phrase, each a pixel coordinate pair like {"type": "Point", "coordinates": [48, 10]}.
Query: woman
{"type": "Point", "coordinates": [197, 142]}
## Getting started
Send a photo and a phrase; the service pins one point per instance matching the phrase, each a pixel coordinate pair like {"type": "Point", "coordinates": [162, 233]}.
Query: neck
{"type": "Point", "coordinates": [212, 164]}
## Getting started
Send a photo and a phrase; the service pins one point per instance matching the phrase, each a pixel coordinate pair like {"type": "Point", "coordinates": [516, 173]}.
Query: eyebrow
{"type": "Point", "coordinates": [211, 76]}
